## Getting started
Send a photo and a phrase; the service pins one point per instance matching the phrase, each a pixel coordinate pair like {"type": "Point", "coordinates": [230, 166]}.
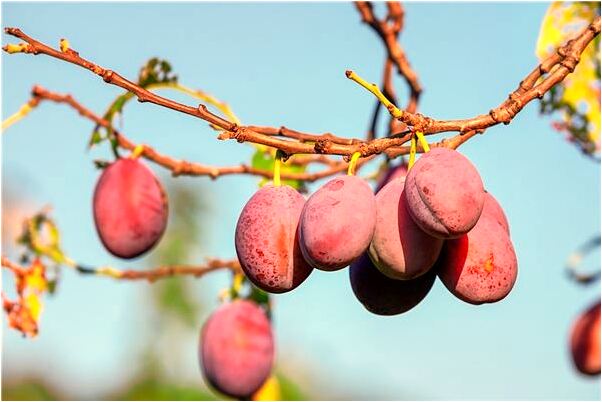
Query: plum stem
{"type": "Point", "coordinates": [21, 113]}
{"type": "Point", "coordinates": [423, 142]}
{"type": "Point", "coordinates": [412, 152]}
{"type": "Point", "coordinates": [277, 163]}
{"type": "Point", "coordinates": [237, 282]}
{"type": "Point", "coordinates": [353, 163]}
{"type": "Point", "coordinates": [139, 150]}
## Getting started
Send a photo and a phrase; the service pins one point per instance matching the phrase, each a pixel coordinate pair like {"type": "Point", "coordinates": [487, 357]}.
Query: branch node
{"type": "Point", "coordinates": [322, 146]}
{"type": "Point", "coordinates": [570, 62]}
{"type": "Point", "coordinates": [494, 115]}
{"type": "Point", "coordinates": [107, 75]}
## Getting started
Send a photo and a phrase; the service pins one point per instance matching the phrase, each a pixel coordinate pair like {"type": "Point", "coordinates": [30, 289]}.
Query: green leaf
{"type": "Point", "coordinates": [95, 138]}
{"type": "Point", "coordinates": [264, 160]}
{"type": "Point", "coordinates": [156, 71]}
{"type": "Point", "coordinates": [259, 296]}
{"type": "Point", "coordinates": [101, 164]}
{"type": "Point", "coordinates": [289, 391]}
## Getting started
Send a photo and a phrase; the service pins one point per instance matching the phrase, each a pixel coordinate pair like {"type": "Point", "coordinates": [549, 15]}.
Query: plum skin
{"type": "Point", "coordinates": [392, 173]}
{"type": "Point", "coordinates": [130, 208]}
{"type": "Point", "coordinates": [382, 295]}
{"type": "Point", "coordinates": [493, 208]}
{"type": "Point", "coordinates": [481, 266]}
{"type": "Point", "coordinates": [399, 248]}
{"type": "Point", "coordinates": [585, 341]}
{"type": "Point", "coordinates": [266, 239]}
{"type": "Point", "coordinates": [236, 349]}
{"type": "Point", "coordinates": [445, 193]}
{"type": "Point", "coordinates": [337, 223]}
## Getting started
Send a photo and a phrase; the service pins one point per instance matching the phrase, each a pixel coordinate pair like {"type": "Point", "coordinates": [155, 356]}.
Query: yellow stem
{"type": "Point", "coordinates": [23, 111]}
{"type": "Point", "coordinates": [277, 163]}
{"type": "Point", "coordinates": [137, 151]}
{"type": "Point", "coordinates": [353, 163]}
{"type": "Point", "coordinates": [109, 271]}
{"type": "Point", "coordinates": [237, 282]}
{"type": "Point", "coordinates": [423, 142]}
{"type": "Point", "coordinates": [412, 152]}
{"type": "Point", "coordinates": [373, 88]}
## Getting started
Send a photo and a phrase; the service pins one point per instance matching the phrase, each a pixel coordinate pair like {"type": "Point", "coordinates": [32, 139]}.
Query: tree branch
{"type": "Point", "coordinates": [151, 275]}
{"type": "Point", "coordinates": [185, 168]}
{"type": "Point", "coordinates": [389, 34]}
{"type": "Point", "coordinates": [564, 62]}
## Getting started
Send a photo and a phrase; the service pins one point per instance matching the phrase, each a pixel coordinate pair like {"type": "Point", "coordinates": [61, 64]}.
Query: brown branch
{"type": "Point", "coordinates": [167, 271]}
{"type": "Point", "coordinates": [303, 137]}
{"type": "Point", "coordinates": [151, 275]}
{"type": "Point", "coordinates": [391, 24]}
{"type": "Point", "coordinates": [13, 267]}
{"type": "Point", "coordinates": [35, 47]}
{"type": "Point", "coordinates": [566, 59]}
{"type": "Point", "coordinates": [389, 33]}
{"type": "Point", "coordinates": [564, 62]}
{"type": "Point", "coordinates": [182, 167]}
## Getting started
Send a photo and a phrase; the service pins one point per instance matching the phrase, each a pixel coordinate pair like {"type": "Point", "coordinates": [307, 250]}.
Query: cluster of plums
{"type": "Point", "coordinates": [433, 219]}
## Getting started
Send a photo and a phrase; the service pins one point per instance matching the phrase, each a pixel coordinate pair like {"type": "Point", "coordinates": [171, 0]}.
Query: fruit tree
{"type": "Point", "coordinates": [424, 214]}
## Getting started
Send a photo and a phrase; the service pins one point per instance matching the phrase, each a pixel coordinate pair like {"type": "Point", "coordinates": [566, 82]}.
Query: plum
{"type": "Point", "coordinates": [382, 295]}
{"type": "Point", "coordinates": [585, 341]}
{"type": "Point", "coordinates": [399, 248]}
{"type": "Point", "coordinates": [337, 223]}
{"type": "Point", "coordinates": [481, 266]}
{"type": "Point", "coordinates": [493, 208]}
{"type": "Point", "coordinates": [393, 172]}
{"type": "Point", "coordinates": [445, 194]}
{"type": "Point", "coordinates": [266, 239]}
{"type": "Point", "coordinates": [130, 208]}
{"type": "Point", "coordinates": [236, 349]}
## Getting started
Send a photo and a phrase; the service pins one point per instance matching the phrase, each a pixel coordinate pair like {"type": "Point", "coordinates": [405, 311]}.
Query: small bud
{"type": "Point", "coordinates": [64, 45]}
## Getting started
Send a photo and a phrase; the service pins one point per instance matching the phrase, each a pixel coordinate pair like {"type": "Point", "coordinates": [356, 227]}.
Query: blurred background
{"type": "Point", "coordinates": [283, 64]}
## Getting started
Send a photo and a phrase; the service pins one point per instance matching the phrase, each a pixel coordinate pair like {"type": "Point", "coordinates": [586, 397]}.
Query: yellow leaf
{"type": "Point", "coordinates": [33, 303]}
{"type": "Point", "coordinates": [35, 279]}
{"type": "Point", "coordinates": [269, 391]}
{"type": "Point", "coordinates": [549, 34]}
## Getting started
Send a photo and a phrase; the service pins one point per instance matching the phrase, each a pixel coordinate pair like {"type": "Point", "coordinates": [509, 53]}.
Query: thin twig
{"type": "Point", "coordinates": [183, 167]}
{"type": "Point", "coordinates": [150, 275]}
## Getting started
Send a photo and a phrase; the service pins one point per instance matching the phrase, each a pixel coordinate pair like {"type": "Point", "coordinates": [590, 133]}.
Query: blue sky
{"type": "Point", "coordinates": [283, 64]}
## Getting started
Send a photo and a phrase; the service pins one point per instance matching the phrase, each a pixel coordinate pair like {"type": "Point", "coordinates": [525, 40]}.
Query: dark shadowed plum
{"type": "Point", "coordinates": [393, 172]}
{"type": "Point", "coordinates": [479, 267]}
{"type": "Point", "coordinates": [236, 349]}
{"type": "Point", "coordinates": [266, 239]}
{"type": "Point", "coordinates": [130, 208]}
{"type": "Point", "coordinates": [445, 193]}
{"type": "Point", "coordinates": [385, 296]}
{"type": "Point", "coordinates": [585, 341]}
{"type": "Point", "coordinates": [337, 223]}
{"type": "Point", "coordinates": [399, 248]}
{"type": "Point", "coordinates": [492, 208]}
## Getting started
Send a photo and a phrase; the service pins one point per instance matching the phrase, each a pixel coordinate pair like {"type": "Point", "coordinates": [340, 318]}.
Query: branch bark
{"type": "Point", "coordinates": [556, 68]}
{"type": "Point", "coordinates": [180, 167]}
{"type": "Point", "coordinates": [150, 275]}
